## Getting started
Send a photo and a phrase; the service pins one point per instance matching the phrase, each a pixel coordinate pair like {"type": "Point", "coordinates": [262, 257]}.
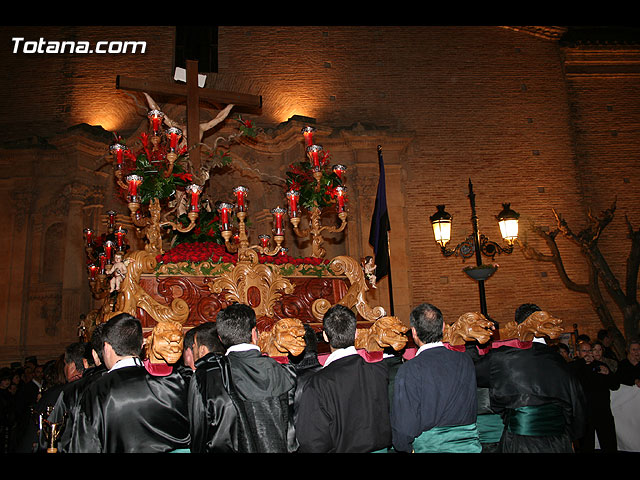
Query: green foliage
{"type": "Point", "coordinates": [207, 229]}
{"type": "Point", "coordinates": [313, 194]}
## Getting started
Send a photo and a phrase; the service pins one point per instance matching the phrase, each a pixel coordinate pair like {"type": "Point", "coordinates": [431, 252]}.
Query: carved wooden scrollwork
{"type": "Point", "coordinates": [256, 285]}
{"type": "Point", "coordinates": [132, 296]}
{"type": "Point", "coordinates": [355, 296]}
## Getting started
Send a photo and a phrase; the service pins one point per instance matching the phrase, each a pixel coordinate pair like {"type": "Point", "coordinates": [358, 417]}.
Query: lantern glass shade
{"type": "Point", "coordinates": [441, 223]}
{"type": "Point", "coordinates": [508, 222]}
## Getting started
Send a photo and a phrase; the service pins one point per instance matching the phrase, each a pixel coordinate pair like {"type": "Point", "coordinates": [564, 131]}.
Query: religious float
{"type": "Point", "coordinates": [196, 255]}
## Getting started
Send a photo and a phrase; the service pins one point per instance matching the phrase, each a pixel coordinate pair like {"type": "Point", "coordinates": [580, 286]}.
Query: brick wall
{"type": "Point", "coordinates": [50, 92]}
{"type": "Point", "coordinates": [483, 103]}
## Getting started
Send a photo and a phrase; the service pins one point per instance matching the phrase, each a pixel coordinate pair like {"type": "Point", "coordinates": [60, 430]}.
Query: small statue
{"type": "Point", "coordinates": [82, 330]}
{"type": "Point", "coordinates": [538, 324]}
{"type": "Point", "coordinates": [286, 337]}
{"type": "Point", "coordinates": [119, 271]}
{"type": "Point", "coordinates": [164, 345]}
{"type": "Point", "coordinates": [369, 269]}
{"type": "Point", "coordinates": [385, 332]}
{"type": "Point", "coordinates": [469, 327]}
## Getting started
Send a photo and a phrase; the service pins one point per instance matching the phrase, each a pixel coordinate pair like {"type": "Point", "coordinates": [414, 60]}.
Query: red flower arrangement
{"type": "Point", "coordinates": [196, 252]}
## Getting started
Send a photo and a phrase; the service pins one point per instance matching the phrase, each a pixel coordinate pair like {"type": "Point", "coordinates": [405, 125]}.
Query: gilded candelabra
{"type": "Point", "coordinates": [240, 243]}
{"type": "Point", "coordinates": [319, 188]}
{"type": "Point", "coordinates": [102, 254]}
{"type": "Point", "coordinates": [156, 161]}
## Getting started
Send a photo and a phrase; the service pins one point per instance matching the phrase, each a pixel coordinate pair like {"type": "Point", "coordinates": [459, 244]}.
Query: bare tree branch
{"type": "Point", "coordinates": [633, 263]}
{"type": "Point", "coordinates": [555, 258]}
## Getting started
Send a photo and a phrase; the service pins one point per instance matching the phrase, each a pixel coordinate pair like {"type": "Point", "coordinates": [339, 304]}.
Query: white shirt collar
{"type": "Point", "coordinates": [427, 346]}
{"type": "Point", "coordinates": [340, 353]}
{"type": "Point", "coordinates": [242, 347]}
{"type": "Point", "coordinates": [127, 362]}
{"type": "Point", "coordinates": [539, 340]}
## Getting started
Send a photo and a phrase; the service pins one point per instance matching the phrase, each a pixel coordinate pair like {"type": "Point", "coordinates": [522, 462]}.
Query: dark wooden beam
{"type": "Point", "coordinates": [193, 113]}
{"type": "Point", "coordinates": [244, 102]}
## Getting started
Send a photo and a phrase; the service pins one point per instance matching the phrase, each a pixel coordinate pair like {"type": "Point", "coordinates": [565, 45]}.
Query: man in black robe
{"type": "Point", "coordinates": [531, 386]}
{"type": "Point", "coordinates": [435, 395]}
{"type": "Point", "coordinates": [240, 401]}
{"type": "Point", "coordinates": [344, 408]}
{"type": "Point", "coordinates": [128, 410]}
{"type": "Point", "coordinates": [66, 406]}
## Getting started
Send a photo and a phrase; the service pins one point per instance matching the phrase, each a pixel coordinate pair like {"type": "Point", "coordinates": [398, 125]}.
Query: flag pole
{"type": "Point", "coordinates": [391, 310]}
{"type": "Point", "coordinates": [382, 196]}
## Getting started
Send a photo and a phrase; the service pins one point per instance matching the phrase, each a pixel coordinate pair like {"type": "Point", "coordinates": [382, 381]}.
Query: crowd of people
{"type": "Point", "coordinates": [212, 390]}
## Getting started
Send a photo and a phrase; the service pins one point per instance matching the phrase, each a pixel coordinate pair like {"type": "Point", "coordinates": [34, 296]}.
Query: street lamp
{"type": "Point", "coordinates": [476, 244]}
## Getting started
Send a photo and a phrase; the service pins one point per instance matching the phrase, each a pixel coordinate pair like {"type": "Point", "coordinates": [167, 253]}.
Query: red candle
{"type": "Point", "coordinates": [264, 240]}
{"type": "Point", "coordinates": [224, 209]}
{"type": "Point", "coordinates": [307, 132]}
{"type": "Point", "coordinates": [118, 150]}
{"type": "Point", "coordinates": [134, 181]}
{"type": "Point", "coordinates": [339, 170]}
{"type": "Point", "coordinates": [108, 250]}
{"type": "Point", "coordinates": [92, 271]}
{"type": "Point", "coordinates": [314, 153]}
{"type": "Point", "coordinates": [293, 196]}
{"type": "Point", "coordinates": [120, 233]}
{"type": "Point", "coordinates": [174, 136]}
{"type": "Point", "coordinates": [241, 194]}
{"type": "Point", "coordinates": [278, 214]}
{"type": "Point", "coordinates": [156, 120]}
{"type": "Point", "coordinates": [89, 235]}
{"type": "Point", "coordinates": [340, 195]}
{"type": "Point", "coordinates": [112, 218]}
{"type": "Point", "coordinates": [194, 190]}
{"type": "Point", "coordinates": [103, 262]}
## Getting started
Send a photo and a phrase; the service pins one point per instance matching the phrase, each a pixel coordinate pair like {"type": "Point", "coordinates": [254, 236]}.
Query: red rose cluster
{"type": "Point", "coordinates": [197, 252]}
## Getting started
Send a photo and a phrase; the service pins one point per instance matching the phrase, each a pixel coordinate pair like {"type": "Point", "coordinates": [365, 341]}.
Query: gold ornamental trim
{"type": "Point", "coordinates": [355, 296]}
{"type": "Point", "coordinates": [238, 283]}
{"type": "Point", "coordinates": [132, 296]}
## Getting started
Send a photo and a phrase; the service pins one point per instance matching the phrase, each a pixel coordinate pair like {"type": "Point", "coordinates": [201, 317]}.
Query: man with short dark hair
{"type": "Point", "coordinates": [435, 396]}
{"type": "Point", "coordinates": [206, 340]}
{"type": "Point", "coordinates": [533, 388]}
{"type": "Point", "coordinates": [344, 407]}
{"type": "Point", "coordinates": [128, 410]}
{"type": "Point", "coordinates": [240, 401]}
{"type": "Point", "coordinates": [188, 359]}
{"type": "Point", "coordinates": [74, 364]}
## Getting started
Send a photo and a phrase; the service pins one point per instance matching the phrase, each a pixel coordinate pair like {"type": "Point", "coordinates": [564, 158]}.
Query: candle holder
{"type": "Point", "coordinates": [315, 186]}
{"type": "Point", "coordinates": [174, 134]}
{"type": "Point", "coordinates": [239, 242]}
{"type": "Point", "coordinates": [100, 253]}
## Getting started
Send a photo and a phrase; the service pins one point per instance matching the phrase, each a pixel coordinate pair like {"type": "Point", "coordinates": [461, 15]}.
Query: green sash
{"type": "Point", "coordinates": [455, 439]}
{"type": "Point", "coordinates": [536, 420]}
{"type": "Point", "coordinates": [490, 427]}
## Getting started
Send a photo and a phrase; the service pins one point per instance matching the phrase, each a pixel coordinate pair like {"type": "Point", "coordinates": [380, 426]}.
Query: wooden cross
{"type": "Point", "coordinates": [244, 102]}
